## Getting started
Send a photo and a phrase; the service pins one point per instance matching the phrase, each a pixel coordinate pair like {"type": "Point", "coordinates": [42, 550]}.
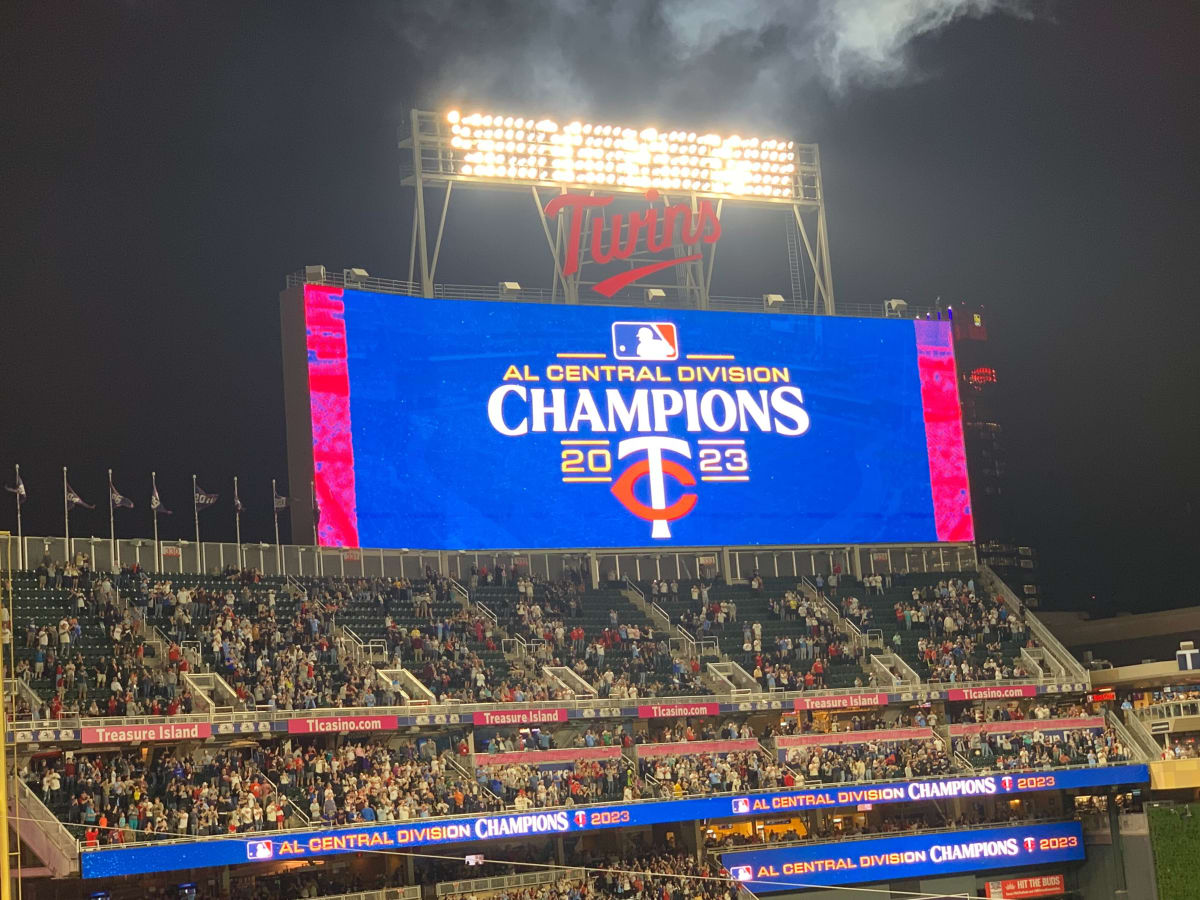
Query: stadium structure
{"type": "Point", "coordinates": [619, 587]}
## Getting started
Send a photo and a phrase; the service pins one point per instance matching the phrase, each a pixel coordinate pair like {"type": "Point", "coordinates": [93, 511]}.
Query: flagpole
{"type": "Point", "coordinates": [66, 515]}
{"type": "Point", "coordinates": [112, 527]}
{"type": "Point", "coordinates": [312, 495]}
{"type": "Point", "coordinates": [154, 513]}
{"type": "Point", "coordinates": [237, 521]}
{"type": "Point", "coordinates": [275, 510]}
{"type": "Point", "coordinates": [196, 516]}
{"type": "Point", "coordinates": [20, 537]}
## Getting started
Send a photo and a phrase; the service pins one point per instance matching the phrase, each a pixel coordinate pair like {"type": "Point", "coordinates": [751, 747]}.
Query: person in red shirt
{"type": "Point", "coordinates": [817, 672]}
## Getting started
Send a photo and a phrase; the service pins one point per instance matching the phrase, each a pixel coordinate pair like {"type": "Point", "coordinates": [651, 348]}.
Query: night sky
{"type": "Point", "coordinates": [167, 164]}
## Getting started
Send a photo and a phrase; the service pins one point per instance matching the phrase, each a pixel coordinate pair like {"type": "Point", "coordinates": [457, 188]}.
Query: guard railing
{"type": "Point", "coordinates": [506, 882]}
{"type": "Point", "coordinates": [465, 709]}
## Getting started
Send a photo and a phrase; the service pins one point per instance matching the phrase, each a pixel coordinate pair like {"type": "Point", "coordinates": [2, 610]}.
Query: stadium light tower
{"type": "Point", "coordinates": [683, 175]}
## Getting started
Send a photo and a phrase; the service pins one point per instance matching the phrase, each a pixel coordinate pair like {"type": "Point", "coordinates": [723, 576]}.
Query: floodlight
{"type": "Point", "coordinates": [621, 157]}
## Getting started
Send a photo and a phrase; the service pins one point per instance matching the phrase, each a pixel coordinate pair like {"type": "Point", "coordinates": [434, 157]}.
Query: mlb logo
{"type": "Point", "coordinates": [655, 341]}
{"type": "Point", "coordinates": [742, 873]}
{"type": "Point", "coordinates": [741, 804]}
{"type": "Point", "coordinates": [259, 850]}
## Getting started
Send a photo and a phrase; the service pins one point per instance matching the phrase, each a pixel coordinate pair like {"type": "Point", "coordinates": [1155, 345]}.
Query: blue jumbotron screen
{"type": "Point", "coordinates": [445, 423]}
{"type": "Point", "coordinates": [905, 856]}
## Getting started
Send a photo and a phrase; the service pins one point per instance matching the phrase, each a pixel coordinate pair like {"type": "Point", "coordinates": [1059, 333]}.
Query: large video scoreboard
{"type": "Point", "coordinates": [449, 424]}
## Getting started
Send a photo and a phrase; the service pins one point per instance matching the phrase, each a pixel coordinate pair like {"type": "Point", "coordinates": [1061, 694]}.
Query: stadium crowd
{"type": "Point", "coordinates": [121, 797]}
{"type": "Point", "coordinates": [624, 660]}
{"type": "Point", "coordinates": [525, 787]}
{"type": "Point", "coordinates": [714, 773]}
{"type": "Point", "coordinates": [806, 723]}
{"type": "Point", "coordinates": [124, 797]}
{"type": "Point", "coordinates": [1040, 750]}
{"type": "Point", "coordinates": [870, 761]}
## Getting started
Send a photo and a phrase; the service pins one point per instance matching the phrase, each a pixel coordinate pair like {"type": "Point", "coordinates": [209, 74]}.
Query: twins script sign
{"type": "Point", "coordinates": [623, 236]}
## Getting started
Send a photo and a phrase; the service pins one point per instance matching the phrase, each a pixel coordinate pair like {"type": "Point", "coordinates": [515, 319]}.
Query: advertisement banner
{"type": "Point", "coordinates": [519, 716]}
{"type": "Point", "coordinates": [691, 748]}
{"type": "Point", "coordinates": [1021, 888]}
{"type": "Point", "coordinates": [1046, 725]}
{"type": "Point", "coordinates": [341, 724]}
{"type": "Point", "coordinates": [997, 691]}
{"type": "Point", "coordinates": [905, 856]}
{"type": "Point", "coordinates": [673, 710]}
{"type": "Point", "coordinates": [164, 731]}
{"type": "Point", "coordinates": [883, 735]}
{"type": "Point", "coordinates": [104, 862]}
{"type": "Point", "coordinates": [683, 428]}
{"type": "Point", "coordinates": [844, 701]}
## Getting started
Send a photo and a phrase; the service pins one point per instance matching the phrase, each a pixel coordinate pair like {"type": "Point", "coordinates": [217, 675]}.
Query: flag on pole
{"type": "Point", "coordinates": [18, 489]}
{"type": "Point", "coordinates": [281, 502]}
{"type": "Point", "coordinates": [117, 499]}
{"type": "Point", "coordinates": [237, 502]}
{"type": "Point", "coordinates": [204, 499]}
{"type": "Point", "coordinates": [74, 500]}
{"type": "Point", "coordinates": [156, 503]}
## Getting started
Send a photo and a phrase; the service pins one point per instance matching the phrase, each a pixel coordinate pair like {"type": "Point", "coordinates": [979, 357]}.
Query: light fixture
{"type": "Point", "coordinates": [621, 157]}
{"type": "Point", "coordinates": [655, 295]}
{"type": "Point", "coordinates": [773, 302]}
{"type": "Point", "coordinates": [509, 289]}
{"type": "Point", "coordinates": [895, 308]}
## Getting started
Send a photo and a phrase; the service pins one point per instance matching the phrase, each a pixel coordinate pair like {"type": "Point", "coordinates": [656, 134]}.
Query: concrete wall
{"type": "Point", "coordinates": [1098, 874]}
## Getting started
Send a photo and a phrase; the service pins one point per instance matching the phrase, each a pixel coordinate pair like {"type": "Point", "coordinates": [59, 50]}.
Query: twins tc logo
{"type": "Point", "coordinates": [1007, 782]}
{"type": "Point", "coordinates": [656, 469]}
{"type": "Point", "coordinates": [580, 818]}
{"type": "Point", "coordinates": [1030, 844]}
{"type": "Point", "coordinates": [646, 341]}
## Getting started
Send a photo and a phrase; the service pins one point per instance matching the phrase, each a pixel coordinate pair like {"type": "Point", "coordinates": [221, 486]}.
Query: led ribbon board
{"type": "Point", "coordinates": [445, 423]}
{"type": "Point", "coordinates": [163, 857]}
{"type": "Point", "coordinates": [905, 856]}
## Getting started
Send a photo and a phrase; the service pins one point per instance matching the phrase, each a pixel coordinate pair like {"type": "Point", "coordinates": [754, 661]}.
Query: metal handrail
{"type": "Point", "coordinates": [54, 830]}
{"type": "Point", "coordinates": [486, 612]}
{"type": "Point", "coordinates": [1162, 709]}
{"type": "Point", "coordinates": [413, 892]}
{"type": "Point", "coordinates": [544, 295]}
{"type": "Point", "coordinates": [504, 882]}
{"type": "Point", "coordinates": [1135, 735]}
{"type": "Point", "coordinates": [1045, 637]}
{"type": "Point", "coordinates": [468, 708]}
